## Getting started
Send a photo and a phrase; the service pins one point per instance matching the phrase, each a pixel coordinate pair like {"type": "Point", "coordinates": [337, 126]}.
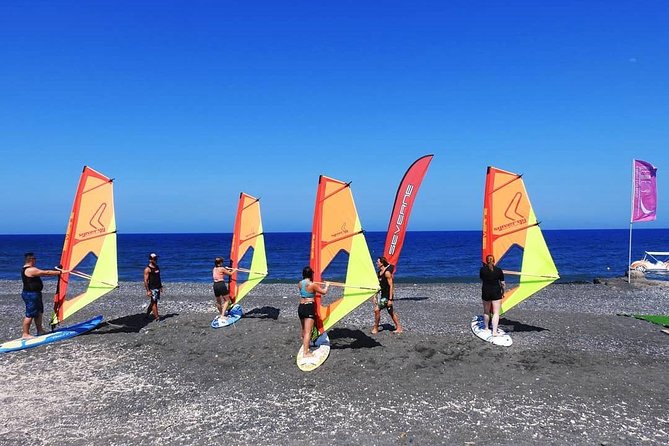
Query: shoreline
{"type": "Point", "coordinates": [577, 373]}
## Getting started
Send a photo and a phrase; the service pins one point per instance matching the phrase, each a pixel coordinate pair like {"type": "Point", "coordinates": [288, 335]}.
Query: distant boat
{"type": "Point", "coordinates": [652, 262]}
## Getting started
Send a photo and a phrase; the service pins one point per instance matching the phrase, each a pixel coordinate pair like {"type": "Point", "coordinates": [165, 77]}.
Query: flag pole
{"type": "Point", "coordinates": [629, 258]}
{"type": "Point", "coordinates": [629, 252]}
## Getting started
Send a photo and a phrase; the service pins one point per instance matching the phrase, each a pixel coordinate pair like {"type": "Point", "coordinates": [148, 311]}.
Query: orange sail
{"type": "Point", "coordinates": [90, 238]}
{"type": "Point", "coordinates": [337, 229]}
{"type": "Point", "coordinates": [247, 237]}
{"type": "Point", "coordinates": [509, 222]}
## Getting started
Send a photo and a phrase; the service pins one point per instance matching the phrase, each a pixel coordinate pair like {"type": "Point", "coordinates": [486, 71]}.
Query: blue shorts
{"type": "Point", "coordinates": [155, 295]}
{"type": "Point", "coordinates": [33, 301]}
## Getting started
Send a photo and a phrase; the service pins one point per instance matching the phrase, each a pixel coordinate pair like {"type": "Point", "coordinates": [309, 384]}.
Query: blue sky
{"type": "Point", "coordinates": [188, 103]}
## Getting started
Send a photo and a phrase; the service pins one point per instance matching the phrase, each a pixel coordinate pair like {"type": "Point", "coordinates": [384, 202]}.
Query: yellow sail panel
{"type": "Point", "coordinates": [91, 232]}
{"type": "Point", "coordinates": [103, 280]}
{"type": "Point", "coordinates": [337, 229]}
{"type": "Point", "coordinates": [247, 235]}
{"type": "Point", "coordinates": [509, 221]}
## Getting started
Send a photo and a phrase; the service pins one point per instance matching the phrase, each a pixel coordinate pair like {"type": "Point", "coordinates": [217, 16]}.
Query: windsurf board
{"type": "Point", "coordinates": [485, 333]}
{"type": "Point", "coordinates": [320, 349]}
{"type": "Point", "coordinates": [234, 314]}
{"type": "Point", "coordinates": [57, 335]}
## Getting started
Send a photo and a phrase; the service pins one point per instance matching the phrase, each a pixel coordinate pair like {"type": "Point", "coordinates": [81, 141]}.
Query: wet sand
{"type": "Point", "coordinates": [577, 372]}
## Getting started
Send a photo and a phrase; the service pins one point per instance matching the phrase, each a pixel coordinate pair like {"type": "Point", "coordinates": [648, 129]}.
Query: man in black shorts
{"type": "Point", "coordinates": [153, 285]}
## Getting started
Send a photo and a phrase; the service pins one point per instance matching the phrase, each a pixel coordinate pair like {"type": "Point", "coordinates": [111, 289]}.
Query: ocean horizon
{"type": "Point", "coordinates": [427, 256]}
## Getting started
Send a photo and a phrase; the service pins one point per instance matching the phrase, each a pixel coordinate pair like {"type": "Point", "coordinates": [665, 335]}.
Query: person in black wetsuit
{"type": "Point", "coordinates": [32, 294]}
{"type": "Point", "coordinates": [153, 285]}
{"type": "Point", "coordinates": [387, 294]}
{"type": "Point", "coordinates": [492, 278]}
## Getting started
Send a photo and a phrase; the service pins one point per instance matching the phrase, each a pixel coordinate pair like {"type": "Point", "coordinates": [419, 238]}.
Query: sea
{"type": "Point", "coordinates": [426, 257]}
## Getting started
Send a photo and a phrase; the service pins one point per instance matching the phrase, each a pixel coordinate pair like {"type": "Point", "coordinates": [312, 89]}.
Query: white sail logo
{"type": "Point", "coordinates": [400, 219]}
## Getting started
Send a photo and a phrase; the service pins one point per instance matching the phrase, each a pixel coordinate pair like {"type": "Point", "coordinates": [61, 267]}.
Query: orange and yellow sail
{"type": "Point", "coordinates": [337, 230]}
{"type": "Point", "coordinates": [247, 236]}
{"type": "Point", "coordinates": [509, 221]}
{"type": "Point", "coordinates": [90, 236]}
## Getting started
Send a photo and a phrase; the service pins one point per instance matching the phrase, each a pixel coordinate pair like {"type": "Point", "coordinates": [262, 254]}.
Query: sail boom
{"type": "Point", "coordinates": [244, 270]}
{"type": "Point", "coordinates": [520, 273]}
{"type": "Point", "coordinates": [345, 285]}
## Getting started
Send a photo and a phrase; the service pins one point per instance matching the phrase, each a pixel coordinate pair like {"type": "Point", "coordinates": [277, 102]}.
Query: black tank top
{"type": "Point", "coordinates": [154, 278]}
{"type": "Point", "coordinates": [492, 278]}
{"type": "Point", "coordinates": [31, 283]}
{"type": "Point", "coordinates": [383, 281]}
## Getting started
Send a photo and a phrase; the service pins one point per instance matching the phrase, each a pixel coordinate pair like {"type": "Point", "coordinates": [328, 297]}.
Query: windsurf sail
{"type": "Point", "coordinates": [404, 199]}
{"type": "Point", "coordinates": [509, 222]}
{"type": "Point", "coordinates": [337, 230]}
{"type": "Point", "coordinates": [247, 237]}
{"type": "Point", "coordinates": [90, 239]}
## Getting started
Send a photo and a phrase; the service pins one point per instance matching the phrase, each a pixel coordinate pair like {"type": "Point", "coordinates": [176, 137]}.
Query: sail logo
{"type": "Point", "coordinates": [399, 222]}
{"type": "Point", "coordinates": [344, 230]}
{"type": "Point", "coordinates": [96, 222]}
{"type": "Point", "coordinates": [513, 214]}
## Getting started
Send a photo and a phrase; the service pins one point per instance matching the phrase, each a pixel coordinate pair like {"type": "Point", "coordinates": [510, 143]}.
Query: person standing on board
{"type": "Point", "coordinates": [153, 285]}
{"type": "Point", "coordinates": [492, 278]}
{"type": "Point", "coordinates": [32, 293]}
{"type": "Point", "coordinates": [221, 291]}
{"type": "Point", "coordinates": [387, 294]}
{"type": "Point", "coordinates": [307, 308]}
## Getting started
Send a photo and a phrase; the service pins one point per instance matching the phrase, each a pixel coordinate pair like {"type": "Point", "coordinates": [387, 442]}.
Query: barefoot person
{"type": "Point", "coordinates": [387, 294]}
{"type": "Point", "coordinates": [220, 288]}
{"type": "Point", "coordinates": [32, 293]}
{"type": "Point", "coordinates": [307, 308]}
{"type": "Point", "coordinates": [153, 285]}
{"type": "Point", "coordinates": [492, 278]}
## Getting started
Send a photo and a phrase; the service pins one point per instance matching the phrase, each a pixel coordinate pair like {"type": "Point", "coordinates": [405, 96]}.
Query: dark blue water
{"type": "Point", "coordinates": [444, 256]}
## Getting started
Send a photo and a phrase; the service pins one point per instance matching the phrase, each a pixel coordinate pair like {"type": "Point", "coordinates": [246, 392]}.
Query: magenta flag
{"type": "Point", "coordinates": [644, 196]}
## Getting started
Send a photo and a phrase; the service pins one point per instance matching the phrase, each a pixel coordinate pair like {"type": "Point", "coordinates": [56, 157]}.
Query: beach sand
{"type": "Point", "coordinates": [576, 374]}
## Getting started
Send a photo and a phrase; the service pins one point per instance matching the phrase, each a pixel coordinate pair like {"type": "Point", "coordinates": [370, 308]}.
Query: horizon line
{"type": "Point", "coordinates": [309, 232]}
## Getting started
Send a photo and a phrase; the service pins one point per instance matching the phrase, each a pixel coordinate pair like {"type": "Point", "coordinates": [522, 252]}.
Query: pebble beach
{"type": "Point", "coordinates": [577, 373]}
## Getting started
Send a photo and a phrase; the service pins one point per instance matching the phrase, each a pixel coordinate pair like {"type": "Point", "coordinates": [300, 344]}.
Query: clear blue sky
{"type": "Point", "coordinates": [188, 103]}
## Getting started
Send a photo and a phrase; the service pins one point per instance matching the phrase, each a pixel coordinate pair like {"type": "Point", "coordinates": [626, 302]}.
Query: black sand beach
{"type": "Point", "coordinates": [576, 374]}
